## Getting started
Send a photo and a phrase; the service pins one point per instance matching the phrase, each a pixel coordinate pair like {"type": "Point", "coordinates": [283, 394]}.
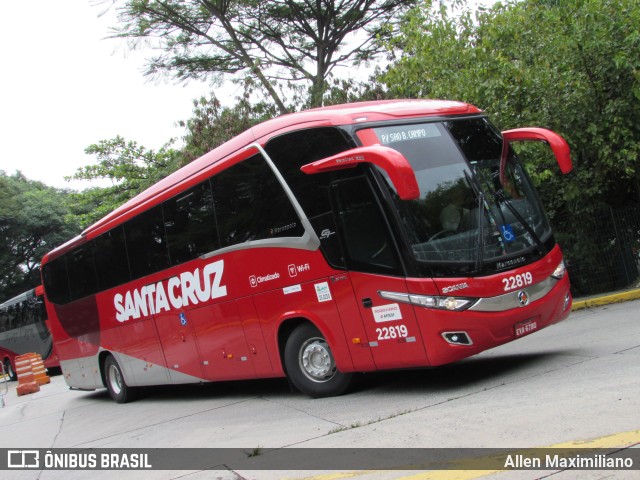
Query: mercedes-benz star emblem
{"type": "Point", "coordinates": [523, 298]}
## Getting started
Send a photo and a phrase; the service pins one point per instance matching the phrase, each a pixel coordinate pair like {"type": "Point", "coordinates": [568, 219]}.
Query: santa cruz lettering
{"type": "Point", "coordinates": [189, 288]}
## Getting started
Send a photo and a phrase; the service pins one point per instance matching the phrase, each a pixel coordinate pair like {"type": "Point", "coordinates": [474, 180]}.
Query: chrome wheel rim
{"type": "Point", "coordinates": [115, 379]}
{"type": "Point", "coordinates": [316, 361]}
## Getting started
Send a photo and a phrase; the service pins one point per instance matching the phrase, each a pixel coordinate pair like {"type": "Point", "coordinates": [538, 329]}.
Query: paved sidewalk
{"type": "Point", "coordinates": [605, 299]}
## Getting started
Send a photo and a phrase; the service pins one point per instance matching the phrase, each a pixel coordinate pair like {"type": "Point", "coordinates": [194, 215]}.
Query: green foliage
{"type": "Point", "coordinates": [348, 91]}
{"type": "Point", "coordinates": [34, 219]}
{"type": "Point", "coordinates": [212, 124]}
{"type": "Point", "coordinates": [569, 65]}
{"type": "Point", "coordinates": [131, 168]}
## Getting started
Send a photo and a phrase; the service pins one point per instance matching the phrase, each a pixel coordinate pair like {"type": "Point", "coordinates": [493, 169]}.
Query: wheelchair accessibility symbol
{"type": "Point", "coordinates": [507, 233]}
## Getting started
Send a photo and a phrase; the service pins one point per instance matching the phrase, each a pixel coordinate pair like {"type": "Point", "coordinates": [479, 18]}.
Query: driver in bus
{"type": "Point", "coordinates": [453, 213]}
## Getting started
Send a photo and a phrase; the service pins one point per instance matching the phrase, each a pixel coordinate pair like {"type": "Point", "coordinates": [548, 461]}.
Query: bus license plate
{"type": "Point", "coordinates": [526, 327]}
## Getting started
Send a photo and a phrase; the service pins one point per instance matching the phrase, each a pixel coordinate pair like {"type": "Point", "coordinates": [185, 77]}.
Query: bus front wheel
{"type": "Point", "coordinates": [8, 369]}
{"type": "Point", "coordinates": [310, 364]}
{"type": "Point", "coordinates": [119, 391]}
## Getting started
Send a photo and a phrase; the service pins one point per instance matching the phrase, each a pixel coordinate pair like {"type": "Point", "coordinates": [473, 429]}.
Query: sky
{"type": "Point", "coordinates": [65, 86]}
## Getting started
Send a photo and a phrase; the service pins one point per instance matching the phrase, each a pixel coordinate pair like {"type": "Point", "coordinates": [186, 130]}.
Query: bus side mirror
{"type": "Point", "coordinates": [558, 145]}
{"type": "Point", "coordinates": [391, 161]}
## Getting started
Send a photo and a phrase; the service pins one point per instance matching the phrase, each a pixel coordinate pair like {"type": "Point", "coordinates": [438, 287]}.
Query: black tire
{"type": "Point", "coordinates": [119, 391]}
{"type": "Point", "coordinates": [310, 364]}
{"type": "Point", "coordinates": [8, 369]}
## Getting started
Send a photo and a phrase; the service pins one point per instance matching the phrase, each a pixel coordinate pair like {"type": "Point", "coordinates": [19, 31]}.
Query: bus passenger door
{"type": "Point", "coordinates": [370, 255]}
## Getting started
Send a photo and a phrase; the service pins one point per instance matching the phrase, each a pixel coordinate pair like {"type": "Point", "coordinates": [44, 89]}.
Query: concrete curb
{"type": "Point", "coordinates": [606, 299]}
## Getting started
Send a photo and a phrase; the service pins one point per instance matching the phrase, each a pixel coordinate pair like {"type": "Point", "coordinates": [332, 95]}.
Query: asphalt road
{"type": "Point", "coordinates": [573, 384]}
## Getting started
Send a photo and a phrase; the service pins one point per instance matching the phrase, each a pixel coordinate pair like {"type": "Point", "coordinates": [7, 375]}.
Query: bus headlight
{"type": "Point", "coordinates": [430, 301]}
{"type": "Point", "coordinates": [451, 303]}
{"type": "Point", "coordinates": [560, 271]}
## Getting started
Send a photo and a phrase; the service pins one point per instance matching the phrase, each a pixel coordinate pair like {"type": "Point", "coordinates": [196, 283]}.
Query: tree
{"type": "Point", "coordinates": [131, 168]}
{"type": "Point", "coordinates": [280, 43]}
{"type": "Point", "coordinates": [349, 91]}
{"type": "Point", "coordinates": [570, 65]}
{"type": "Point", "coordinates": [213, 124]}
{"type": "Point", "coordinates": [34, 219]}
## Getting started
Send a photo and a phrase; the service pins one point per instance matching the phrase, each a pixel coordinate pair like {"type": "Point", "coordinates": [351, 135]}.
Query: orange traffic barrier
{"type": "Point", "coordinates": [26, 379]}
{"type": "Point", "coordinates": [39, 370]}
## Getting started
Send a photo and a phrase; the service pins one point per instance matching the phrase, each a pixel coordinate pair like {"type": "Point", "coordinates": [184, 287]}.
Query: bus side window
{"type": "Point", "coordinates": [190, 224]}
{"type": "Point", "coordinates": [250, 204]}
{"type": "Point", "coordinates": [366, 238]}
{"type": "Point", "coordinates": [56, 281]}
{"type": "Point", "coordinates": [82, 273]}
{"type": "Point", "coordinates": [112, 265]}
{"type": "Point", "coordinates": [146, 243]}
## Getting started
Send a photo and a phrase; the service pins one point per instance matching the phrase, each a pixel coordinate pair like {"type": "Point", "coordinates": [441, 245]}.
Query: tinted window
{"type": "Point", "coordinates": [146, 243]}
{"type": "Point", "coordinates": [81, 271]}
{"type": "Point", "coordinates": [250, 204]}
{"type": "Point", "coordinates": [477, 139]}
{"type": "Point", "coordinates": [366, 238]}
{"type": "Point", "coordinates": [190, 224]}
{"type": "Point", "coordinates": [55, 279]}
{"type": "Point", "coordinates": [291, 151]}
{"type": "Point", "coordinates": [111, 259]}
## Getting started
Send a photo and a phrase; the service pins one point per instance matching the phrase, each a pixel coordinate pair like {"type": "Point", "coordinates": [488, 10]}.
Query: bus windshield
{"type": "Point", "coordinates": [465, 221]}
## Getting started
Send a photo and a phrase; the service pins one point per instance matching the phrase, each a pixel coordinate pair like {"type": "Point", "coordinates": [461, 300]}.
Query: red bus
{"type": "Point", "coordinates": [353, 238]}
{"type": "Point", "coordinates": [24, 329]}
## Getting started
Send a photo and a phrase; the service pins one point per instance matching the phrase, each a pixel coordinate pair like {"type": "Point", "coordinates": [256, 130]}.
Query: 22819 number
{"type": "Point", "coordinates": [517, 281]}
{"type": "Point", "coordinates": [394, 331]}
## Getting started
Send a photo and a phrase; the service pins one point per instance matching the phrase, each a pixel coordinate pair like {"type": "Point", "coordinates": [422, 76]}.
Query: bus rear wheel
{"type": "Point", "coordinates": [8, 369]}
{"type": "Point", "coordinates": [310, 364]}
{"type": "Point", "coordinates": [119, 391]}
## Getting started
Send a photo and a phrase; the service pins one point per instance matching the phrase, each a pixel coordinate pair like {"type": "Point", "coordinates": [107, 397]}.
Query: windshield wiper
{"type": "Point", "coordinates": [481, 208]}
{"type": "Point", "coordinates": [480, 254]}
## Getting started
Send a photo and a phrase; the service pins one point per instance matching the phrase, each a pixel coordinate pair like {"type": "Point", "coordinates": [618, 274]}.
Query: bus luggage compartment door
{"type": "Point", "coordinates": [222, 343]}
{"type": "Point", "coordinates": [178, 344]}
